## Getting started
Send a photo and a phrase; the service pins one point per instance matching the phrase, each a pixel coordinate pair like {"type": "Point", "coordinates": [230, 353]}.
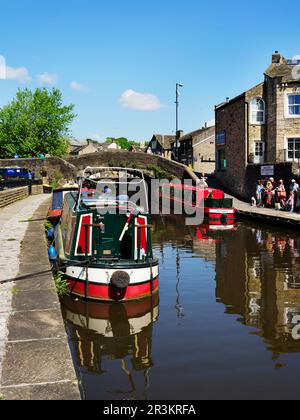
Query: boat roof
{"type": "Point", "coordinates": [108, 172]}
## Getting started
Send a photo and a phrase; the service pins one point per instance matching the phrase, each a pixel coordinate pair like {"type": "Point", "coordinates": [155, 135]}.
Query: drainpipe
{"type": "Point", "coordinates": [247, 134]}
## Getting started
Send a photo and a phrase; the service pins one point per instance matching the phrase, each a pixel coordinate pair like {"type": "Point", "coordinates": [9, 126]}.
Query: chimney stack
{"type": "Point", "coordinates": [179, 134]}
{"type": "Point", "coordinates": [277, 58]}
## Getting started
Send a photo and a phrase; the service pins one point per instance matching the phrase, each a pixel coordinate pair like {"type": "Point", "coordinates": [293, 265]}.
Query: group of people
{"type": "Point", "coordinates": [272, 194]}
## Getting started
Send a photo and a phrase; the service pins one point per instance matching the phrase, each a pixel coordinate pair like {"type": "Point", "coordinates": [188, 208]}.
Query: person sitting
{"type": "Point", "coordinates": [107, 191]}
{"type": "Point", "coordinates": [289, 204]}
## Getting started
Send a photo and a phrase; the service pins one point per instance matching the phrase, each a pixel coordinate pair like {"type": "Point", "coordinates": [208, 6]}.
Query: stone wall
{"type": "Point", "coordinates": [286, 127]}
{"type": "Point", "coordinates": [12, 196]}
{"type": "Point", "coordinates": [204, 150]}
{"type": "Point", "coordinates": [256, 132]}
{"type": "Point", "coordinates": [286, 171]}
{"type": "Point", "coordinates": [53, 167]}
{"type": "Point", "coordinates": [68, 169]}
{"type": "Point", "coordinates": [230, 118]}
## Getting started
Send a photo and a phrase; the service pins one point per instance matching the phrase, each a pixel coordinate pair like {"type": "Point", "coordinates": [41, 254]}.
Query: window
{"type": "Point", "coordinates": [294, 105]}
{"type": "Point", "coordinates": [294, 149]}
{"type": "Point", "coordinates": [258, 111]}
{"type": "Point", "coordinates": [259, 151]}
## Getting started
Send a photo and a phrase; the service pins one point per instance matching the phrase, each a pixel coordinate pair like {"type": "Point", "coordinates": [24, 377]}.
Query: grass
{"type": "Point", "coordinates": [61, 284]}
{"type": "Point", "coordinates": [14, 290]}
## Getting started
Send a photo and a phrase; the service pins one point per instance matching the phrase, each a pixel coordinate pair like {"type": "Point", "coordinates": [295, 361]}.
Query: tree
{"type": "Point", "coordinates": [123, 142]}
{"type": "Point", "coordinates": [34, 123]}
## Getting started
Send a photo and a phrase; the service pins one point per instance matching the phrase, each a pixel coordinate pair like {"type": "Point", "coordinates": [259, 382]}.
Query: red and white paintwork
{"type": "Point", "coordinates": [99, 283]}
{"type": "Point", "coordinates": [201, 194]}
{"type": "Point", "coordinates": [139, 315]}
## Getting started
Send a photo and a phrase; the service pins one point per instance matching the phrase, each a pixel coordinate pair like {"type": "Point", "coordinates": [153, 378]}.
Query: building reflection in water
{"type": "Point", "coordinates": [118, 333]}
{"type": "Point", "coordinates": [258, 277]}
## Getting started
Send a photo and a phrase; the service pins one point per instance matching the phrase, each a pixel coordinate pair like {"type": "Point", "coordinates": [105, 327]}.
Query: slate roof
{"type": "Point", "coordinates": [165, 141]}
{"type": "Point", "coordinates": [189, 136]}
{"type": "Point", "coordinates": [284, 71]}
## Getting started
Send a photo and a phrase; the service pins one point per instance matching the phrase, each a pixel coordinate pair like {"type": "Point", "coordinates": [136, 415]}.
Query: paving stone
{"type": "Point", "coordinates": [35, 325]}
{"type": "Point", "coordinates": [50, 392]}
{"type": "Point", "coordinates": [35, 300]}
{"type": "Point", "coordinates": [36, 362]}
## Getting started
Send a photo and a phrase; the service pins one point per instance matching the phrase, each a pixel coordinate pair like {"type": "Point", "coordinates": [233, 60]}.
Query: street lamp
{"type": "Point", "coordinates": [178, 86]}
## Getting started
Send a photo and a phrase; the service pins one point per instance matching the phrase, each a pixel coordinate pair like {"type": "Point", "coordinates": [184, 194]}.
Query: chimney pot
{"type": "Point", "coordinates": [277, 58]}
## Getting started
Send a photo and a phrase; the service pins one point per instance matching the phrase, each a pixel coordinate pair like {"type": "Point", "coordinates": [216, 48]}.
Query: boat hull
{"type": "Point", "coordinates": [95, 283]}
{"type": "Point", "coordinates": [108, 293]}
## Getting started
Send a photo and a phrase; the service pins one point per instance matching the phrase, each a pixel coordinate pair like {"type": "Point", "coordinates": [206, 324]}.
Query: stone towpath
{"type": "Point", "coordinates": [35, 360]}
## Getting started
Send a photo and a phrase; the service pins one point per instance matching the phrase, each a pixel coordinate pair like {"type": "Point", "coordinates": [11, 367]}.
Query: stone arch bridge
{"type": "Point", "coordinates": [69, 168]}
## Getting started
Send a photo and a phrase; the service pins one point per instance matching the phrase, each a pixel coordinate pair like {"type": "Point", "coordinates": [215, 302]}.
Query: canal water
{"type": "Point", "coordinates": [223, 327]}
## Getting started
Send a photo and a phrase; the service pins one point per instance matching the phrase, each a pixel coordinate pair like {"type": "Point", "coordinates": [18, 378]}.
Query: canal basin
{"type": "Point", "coordinates": [223, 328]}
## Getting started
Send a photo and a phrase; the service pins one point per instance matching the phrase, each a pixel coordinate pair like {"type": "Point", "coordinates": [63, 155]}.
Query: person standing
{"type": "Point", "coordinates": [30, 178]}
{"type": "Point", "coordinates": [260, 193]}
{"type": "Point", "coordinates": [294, 186]}
{"type": "Point", "coordinates": [281, 195]}
{"type": "Point", "coordinates": [269, 191]}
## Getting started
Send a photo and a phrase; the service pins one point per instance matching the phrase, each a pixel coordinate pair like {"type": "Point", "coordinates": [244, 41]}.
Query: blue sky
{"type": "Point", "coordinates": [118, 61]}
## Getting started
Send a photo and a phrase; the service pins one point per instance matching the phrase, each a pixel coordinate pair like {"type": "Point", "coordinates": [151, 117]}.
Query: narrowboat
{"type": "Point", "coordinates": [103, 238]}
{"type": "Point", "coordinates": [56, 207]}
{"type": "Point", "coordinates": [216, 207]}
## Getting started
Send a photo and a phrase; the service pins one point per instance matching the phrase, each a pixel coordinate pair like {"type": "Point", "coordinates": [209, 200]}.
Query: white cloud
{"type": "Point", "coordinates": [140, 101]}
{"type": "Point", "coordinates": [79, 87]}
{"type": "Point", "coordinates": [47, 79]}
{"type": "Point", "coordinates": [21, 74]}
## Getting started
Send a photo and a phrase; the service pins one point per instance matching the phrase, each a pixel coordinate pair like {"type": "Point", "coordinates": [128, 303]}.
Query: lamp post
{"type": "Point", "coordinates": [178, 85]}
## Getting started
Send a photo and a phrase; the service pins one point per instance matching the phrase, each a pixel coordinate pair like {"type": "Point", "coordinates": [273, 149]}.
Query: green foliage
{"type": "Point", "coordinates": [2, 398]}
{"type": "Point", "coordinates": [56, 180]}
{"type": "Point", "coordinates": [158, 172]}
{"type": "Point", "coordinates": [61, 284]}
{"type": "Point", "coordinates": [123, 142]}
{"type": "Point", "coordinates": [47, 226]}
{"type": "Point", "coordinates": [35, 123]}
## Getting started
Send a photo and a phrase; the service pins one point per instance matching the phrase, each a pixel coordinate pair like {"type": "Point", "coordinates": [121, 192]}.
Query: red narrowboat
{"type": "Point", "coordinates": [217, 208]}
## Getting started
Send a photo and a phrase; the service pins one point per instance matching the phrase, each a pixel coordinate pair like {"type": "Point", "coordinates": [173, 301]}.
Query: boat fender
{"type": "Point", "coordinates": [52, 253]}
{"type": "Point", "coordinates": [120, 280]}
{"type": "Point", "coordinates": [50, 233]}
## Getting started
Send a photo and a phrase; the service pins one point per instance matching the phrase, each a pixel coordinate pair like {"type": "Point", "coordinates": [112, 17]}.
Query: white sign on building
{"type": "Point", "coordinates": [268, 170]}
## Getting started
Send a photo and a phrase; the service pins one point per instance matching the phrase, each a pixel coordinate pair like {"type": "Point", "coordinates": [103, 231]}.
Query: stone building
{"type": "Point", "coordinates": [258, 132]}
{"type": "Point", "coordinates": [83, 148]}
{"type": "Point", "coordinates": [77, 148]}
{"type": "Point", "coordinates": [204, 150]}
{"type": "Point", "coordinates": [197, 149]}
{"type": "Point", "coordinates": [161, 145]}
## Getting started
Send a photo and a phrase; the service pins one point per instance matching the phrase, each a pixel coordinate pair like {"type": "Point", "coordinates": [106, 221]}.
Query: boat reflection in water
{"type": "Point", "coordinates": [112, 339]}
{"type": "Point", "coordinates": [262, 284]}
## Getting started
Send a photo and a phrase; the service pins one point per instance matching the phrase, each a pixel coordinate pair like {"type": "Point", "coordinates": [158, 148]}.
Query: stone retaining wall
{"type": "Point", "coordinates": [11, 196]}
